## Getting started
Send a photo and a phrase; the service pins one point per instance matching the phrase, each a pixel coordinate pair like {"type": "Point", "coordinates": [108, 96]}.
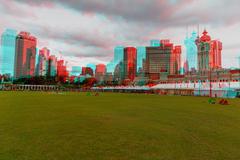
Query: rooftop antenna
{"type": "Point", "coordinates": [205, 28]}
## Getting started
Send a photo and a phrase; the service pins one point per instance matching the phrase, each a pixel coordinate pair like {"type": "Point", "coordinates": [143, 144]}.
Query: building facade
{"type": "Point", "coordinates": [61, 69]}
{"type": "Point", "coordinates": [141, 60]}
{"type": "Point", "coordinates": [209, 53]}
{"type": "Point", "coordinates": [130, 63]}
{"type": "Point", "coordinates": [175, 61]}
{"type": "Point", "coordinates": [8, 42]}
{"type": "Point", "coordinates": [76, 71]}
{"type": "Point", "coordinates": [43, 60]}
{"type": "Point", "coordinates": [192, 54]}
{"type": "Point", "coordinates": [155, 43]}
{"type": "Point", "coordinates": [25, 55]}
{"type": "Point", "coordinates": [100, 72]}
{"type": "Point", "coordinates": [52, 66]}
{"type": "Point", "coordinates": [118, 54]}
{"type": "Point", "coordinates": [87, 71]}
{"type": "Point", "coordinates": [163, 61]}
{"type": "Point", "coordinates": [118, 67]}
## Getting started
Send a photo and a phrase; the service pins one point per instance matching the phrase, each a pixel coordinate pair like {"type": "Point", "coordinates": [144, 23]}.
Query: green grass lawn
{"type": "Point", "coordinates": [73, 126]}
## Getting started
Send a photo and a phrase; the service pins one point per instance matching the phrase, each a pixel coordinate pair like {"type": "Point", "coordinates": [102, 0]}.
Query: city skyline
{"type": "Point", "coordinates": [94, 28]}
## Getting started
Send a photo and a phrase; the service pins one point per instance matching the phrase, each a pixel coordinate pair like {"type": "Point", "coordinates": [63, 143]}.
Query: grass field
{"type": "Point", "coordinates": [73, 126]}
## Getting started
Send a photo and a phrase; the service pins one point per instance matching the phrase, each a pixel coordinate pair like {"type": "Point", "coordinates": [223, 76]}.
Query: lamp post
{"type": "Point", "coordinates": [210, 80]}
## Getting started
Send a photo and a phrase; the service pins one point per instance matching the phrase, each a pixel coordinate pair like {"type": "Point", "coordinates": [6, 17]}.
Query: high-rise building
{"type": "Point", "coordinates": [141, 60]}
{"type": "Point", "coordinates": [118, 63]}
{"type": "Point", "coordinates": [61, 69]}
{"type": "Point", "coordinates": [110, 67]}
{"type": "Point", "coordinates": [100, 72]}
{"type": "Point", "coordinates": [157, 62]}
{"type": "Point", "coordinates": [8, 42]}
{"type": "Point", "coordinates": [130, 63]}
{"type": "Point", "coordinates": [119, 72]}
{"type": "Point", "coordinates": [25, 55]}
{"type": "Point", "coordinates": [209, 53]}
{"type": "Point", "coordinates": [43, 62]}
{"type": "Point", "coordinates": [155, 43]}
{"type": "Point", "coordinates": [92, 66]}
{"type": "Point", "coordinates": [52, 66]}
{"type": "Point", "coordinates": [87, 71]}
{"type": "Point", "coordinates": [191, 49]}
{"type": "Point", "coordinates": [118, 54]}
{"type": "Point", "coordinates": [163, 61]}
{"type": "Point", "coordinates": [175, 62]}
{"type": "Point", "coordinates": [76, 71]}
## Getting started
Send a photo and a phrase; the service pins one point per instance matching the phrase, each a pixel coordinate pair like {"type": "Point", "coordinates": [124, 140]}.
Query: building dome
{"type": "Point", "coordinates": [205, 37]}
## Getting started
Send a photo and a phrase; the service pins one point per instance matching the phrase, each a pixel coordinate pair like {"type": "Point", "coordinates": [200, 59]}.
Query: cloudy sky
{"type": "Point", "coordinates": [86, 31]}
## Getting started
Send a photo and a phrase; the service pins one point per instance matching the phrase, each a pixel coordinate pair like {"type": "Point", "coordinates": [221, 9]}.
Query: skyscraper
{"type": "Point", "coordinates": [163, 61]}
{"type": "Point", "coordinates": [25, 55]}
{"type": "Point", "coordinates": [209, 53]}
{"type": "Point", "coordinates": [92, 66]}
{"type": "Point", "coordinates": [191, 52]}
{"type": "Point", "coordinates": [130, 63]}
{"type": "Point", "coordinates": [8, 42]}
{"type": "Point", "coordinates": [141, 59]}
{"type": "Point", "coordinates": [87, 71]}
{"type": "Point", "coordinates": [43, 58]}
{"type": "Point", "coordinates": [110, 67]}
{"type": "Point", "coordinates": [100, 72]}
{"type": "Point", "coordinates": [119, 72]}
{"type": "Point", "coordinates": [175, 61]}
{"type": "Point", "coordinates": [118, 63]}
{"type": "Point", "coordinates": [52, 66]}
{"type": "Point", "coordinates": [118, 54]}
{"type": "Point", "coordinates": [157, 62]}
{"type": "Point", "coordinates": [155, 43]}
{"type": "Point", "coordinates": [76, 70]}
{"type": "Point", "coordinates": [62, 72]}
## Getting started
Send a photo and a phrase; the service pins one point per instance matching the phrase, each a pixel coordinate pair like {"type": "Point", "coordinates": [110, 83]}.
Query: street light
{"type": "Point", "coordinates": [210, 79]}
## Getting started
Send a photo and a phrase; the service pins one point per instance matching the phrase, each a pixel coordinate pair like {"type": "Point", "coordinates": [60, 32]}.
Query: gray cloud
{"type": "Point", "coordinates": [161, 12]}
{"type": "Point", "coordinates": [118, 22]}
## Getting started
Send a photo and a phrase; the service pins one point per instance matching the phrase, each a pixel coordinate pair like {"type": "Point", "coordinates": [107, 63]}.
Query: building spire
{"type": "Point", "coordinates": [205, 31]}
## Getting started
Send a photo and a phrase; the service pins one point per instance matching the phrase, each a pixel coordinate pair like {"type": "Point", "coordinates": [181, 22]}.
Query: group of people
{"type": "Point", "coordinates": [222, 101]}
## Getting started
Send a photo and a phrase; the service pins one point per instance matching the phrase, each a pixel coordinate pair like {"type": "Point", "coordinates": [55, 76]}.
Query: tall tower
{"type": "Point", "coordinates": [118, 54]}
{"type": "Point", "coordinates": [175, 61]}
{"type": "Point", "coordinates": [62, 72]}
{"type": "Point", "coordinates": [130, 63]}
{"type": "Point", "coordinates": [92, 66]}
{"type": "Point", "coordinates": [25, 55]}
{"type": "Point", "coordinates": [141, 59]}
{"type": "Point", "coordinates": [8, 42]}
{"type": "Point", "coordinates": [118, 63]}
{"type": "Point", "coordinates": [191, 48]}
{"type": "Point", "coordinates": [52, 66]}
{"type": "Point", "coordinates": [42, 66]}
{"type": "Point", "coordinates": [209, 53]}
{"type": "Point", "coordinates": [163, 61]}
